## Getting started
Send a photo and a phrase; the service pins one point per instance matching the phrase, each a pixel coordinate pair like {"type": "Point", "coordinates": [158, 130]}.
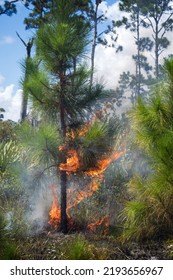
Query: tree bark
{"type": "Point", "coordinates": [156, 53]}
{"type": "Point", "coordinates": [94, 43]}
{"type": "Point", "coordinates": [63, 222]}
{"type": "Point", "coordinates": [138, 85]}
{"type": "Point", "coordinates": [63, 174]}
{"type": "Point", "coordinates": [24, 104]}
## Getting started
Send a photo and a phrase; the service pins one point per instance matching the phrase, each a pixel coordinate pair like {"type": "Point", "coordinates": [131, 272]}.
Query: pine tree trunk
{"type": "Point", "coordinates": [156, 52]}
{"type": "Point", "coordinates": [24, 104]}
{"type": "Point", "coordinates": [138, 85]}
{"type": "Point", "coordinates": [94, 43]}
{"type": "Point", "coordinates": [63, 174]}
{"type": "Point", "coordinates": [63, 222]}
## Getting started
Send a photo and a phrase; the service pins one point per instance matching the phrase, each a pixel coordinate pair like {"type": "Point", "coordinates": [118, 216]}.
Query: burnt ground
{"type": "Point", "coordinates": [57, 246]}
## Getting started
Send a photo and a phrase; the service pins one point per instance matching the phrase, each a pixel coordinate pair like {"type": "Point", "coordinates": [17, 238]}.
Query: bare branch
{"type": "Point", "coordinates": [21, 39]}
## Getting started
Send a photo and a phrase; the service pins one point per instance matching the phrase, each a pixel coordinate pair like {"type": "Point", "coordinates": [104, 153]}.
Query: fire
{"type": "Point", "coordinates": [103, 221]}
{"type": "Point", "coordinates": [89, 190]}
{"type": "Point", "coordinates": [104, 163]}
{"type": "Point", "coordinates": [79, 132]}
{"type": "Point", "coordinates": [55, 210]}
{"type": "Point", "coordinates": [72, 164]}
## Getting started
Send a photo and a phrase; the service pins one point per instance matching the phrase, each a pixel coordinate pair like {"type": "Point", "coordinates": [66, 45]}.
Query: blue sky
{"type": "Point", "coordinates": [108, 64]}
{"type": "Point", "coordinates": [11, 48]}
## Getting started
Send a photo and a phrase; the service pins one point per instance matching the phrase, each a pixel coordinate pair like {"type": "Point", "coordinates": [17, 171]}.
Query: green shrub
{"type": "Point", "coordinates": [78, 249]}
{"type": "Point", "coordinates": [7, 246]}
{"type": "Point", "coordinates": [150, 212]}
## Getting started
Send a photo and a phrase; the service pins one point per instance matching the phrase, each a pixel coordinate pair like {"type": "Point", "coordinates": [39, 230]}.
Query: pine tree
{"type": "Point", "coordinates": [158, 17]}
{"type": "Point", "coordinates": [10, 7]}
{"type": "Point", "coordinates": [59, 87]}
{"type": "Point", "coordinates": [41, 11]}
{"type": "Point", "coordinates": [149, 213]}
{"type": "Point", "coordinates": [137, 81]}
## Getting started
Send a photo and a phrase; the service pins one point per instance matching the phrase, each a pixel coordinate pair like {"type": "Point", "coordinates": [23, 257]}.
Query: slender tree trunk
{"type": "Point", "coordinates": [63, 222]}
{"type": "Point", "coordinates": [63, 174]}
{"type": "Point", "coordinates": [94, 43]}
{"type": "Point", "coordinates": [24, 104]}
{"type": "Point", "coordinates": [138, 86]}
{"type": "Point", "coordinates": [156, 52]}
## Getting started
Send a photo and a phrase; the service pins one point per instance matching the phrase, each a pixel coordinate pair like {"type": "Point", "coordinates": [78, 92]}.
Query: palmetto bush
{"type": "Point", "coordinates": [150, 212]}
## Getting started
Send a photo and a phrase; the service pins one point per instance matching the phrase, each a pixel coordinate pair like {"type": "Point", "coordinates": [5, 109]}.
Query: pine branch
{"type": "Point", "coordinates": [8, 7]}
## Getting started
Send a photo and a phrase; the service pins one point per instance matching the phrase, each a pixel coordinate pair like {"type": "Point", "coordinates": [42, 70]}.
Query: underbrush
{"type": "Point", "coordinates": [7, 245]}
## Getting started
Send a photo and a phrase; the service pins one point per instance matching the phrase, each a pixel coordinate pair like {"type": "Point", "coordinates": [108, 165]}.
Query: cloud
{"type": "Point", "coordinates": [109, 64]}
{"type": "Point", "coordinates": [11, 102]}
{"type": "Point", "coordinates": [7, 40]}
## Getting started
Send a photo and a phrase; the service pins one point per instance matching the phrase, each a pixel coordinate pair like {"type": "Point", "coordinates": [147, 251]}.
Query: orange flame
{"type": "Point", "coordinates": [103, 221]}
{"type": "Point", "coordinates": [55, 210]}
{"type": "Point", "coordinates": [89, 190]}
{"type": "Point", "coordinates": [79, 132]}
{"type": "Point", "coordinates": [72, 164]}
{"type": "Point", "coordinates": [103, 164]}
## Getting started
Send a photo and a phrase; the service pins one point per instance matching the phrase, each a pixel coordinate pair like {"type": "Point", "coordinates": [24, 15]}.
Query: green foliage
{"type": "Point", "coordinates": [62, 66]}
{"type": "Point", "coordinates": [41, 13]}
{"type": "Point", "coordinates": [8, 8]}
{"type": "Point", "coordinates": [9, 154]}
{"type": "Point", "coordinates": [9, 159]}
{"type": "Point", "coordinates": [40, 144]}
{"type": "Point", "coordinates": [149, 214]}
{"type": "Point", "coordinates": [71, 31]}
{"type": "Point", "coordinates": [78, 248]}
{"type": "Point", "coordinates": [7, 246]}
{"type": "Point", "coordinates": [7, 131]}
{"type": "Point", "coordinates": [8, 251]}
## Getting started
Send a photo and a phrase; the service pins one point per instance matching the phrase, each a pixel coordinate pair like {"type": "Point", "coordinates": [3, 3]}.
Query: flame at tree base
{"type": "Point", "coordinates": [73, 165]}
{"type": "Point", "coordinates": [55, 212]}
